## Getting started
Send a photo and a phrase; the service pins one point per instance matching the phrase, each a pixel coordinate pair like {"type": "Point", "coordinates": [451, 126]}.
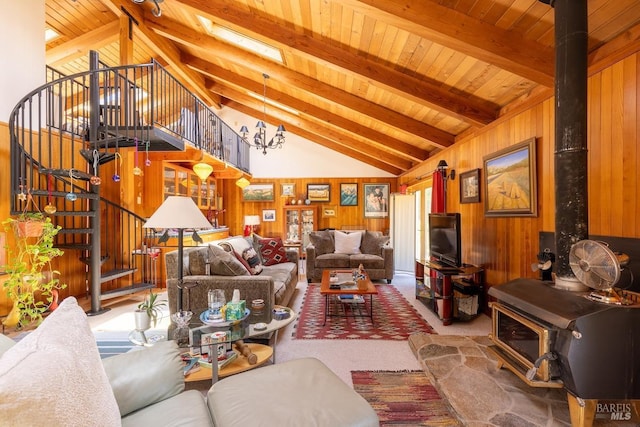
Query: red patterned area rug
{"type": "Point", "coordinates": [403, 398]}
{"type": "Point", "coordinates": [393, 317]}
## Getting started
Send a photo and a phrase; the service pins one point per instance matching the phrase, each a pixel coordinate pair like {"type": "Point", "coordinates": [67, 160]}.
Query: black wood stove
{"type": "Point", "coordinates": [553, 338]}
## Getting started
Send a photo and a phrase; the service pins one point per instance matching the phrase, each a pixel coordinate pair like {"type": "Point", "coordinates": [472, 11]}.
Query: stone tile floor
{"type": "Point", "coordinates": [466, 373]}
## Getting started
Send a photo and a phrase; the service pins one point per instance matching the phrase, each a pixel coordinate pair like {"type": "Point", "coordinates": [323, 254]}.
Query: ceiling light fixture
{"type": "Point", "coordinates": [203, 170]}
{"type": "Point", "coordinates": [156, 11]}
{"type": "Point", "coordinates": [243, 182]}
{"type": "Point", "coordinates": [260, 138]}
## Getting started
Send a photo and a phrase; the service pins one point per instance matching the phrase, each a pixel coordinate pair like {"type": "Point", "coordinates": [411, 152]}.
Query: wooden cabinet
{"type": "Point", "coordinates": [453, 294]}
{"type": "Point", "coordinates": [179, 181]}
{"type": "Point", "coordinates": [299, 221]}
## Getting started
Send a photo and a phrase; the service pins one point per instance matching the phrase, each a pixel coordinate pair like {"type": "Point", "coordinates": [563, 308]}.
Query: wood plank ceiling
{"type": "Point", "coordinates": [385, 82]}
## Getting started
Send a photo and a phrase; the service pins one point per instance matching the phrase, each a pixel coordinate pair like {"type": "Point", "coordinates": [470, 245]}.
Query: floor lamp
{"type": "Point", "coordinates": [178, 212]}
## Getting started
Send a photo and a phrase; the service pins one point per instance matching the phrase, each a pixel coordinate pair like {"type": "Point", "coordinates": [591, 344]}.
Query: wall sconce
{"type": "Point", "coordinates": [442, 167]}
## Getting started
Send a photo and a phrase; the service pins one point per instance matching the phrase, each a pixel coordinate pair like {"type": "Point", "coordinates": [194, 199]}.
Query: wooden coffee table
{"type": "Point", "coordinates": [348, 287]}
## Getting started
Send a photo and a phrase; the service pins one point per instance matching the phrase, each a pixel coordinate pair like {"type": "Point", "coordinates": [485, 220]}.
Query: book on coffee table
{"type": "Point", "coordinates": [350, 298]}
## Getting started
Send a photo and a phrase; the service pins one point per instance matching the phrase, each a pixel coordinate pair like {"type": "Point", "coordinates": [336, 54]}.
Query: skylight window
{"type": "Point", "coordinates": [240, 40]}
{"type": "Point", "coordinates": [50, 34]}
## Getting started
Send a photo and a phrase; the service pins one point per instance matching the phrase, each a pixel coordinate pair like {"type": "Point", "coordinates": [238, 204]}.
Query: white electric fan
{"type": "Point", "coordinates": [598, 267]}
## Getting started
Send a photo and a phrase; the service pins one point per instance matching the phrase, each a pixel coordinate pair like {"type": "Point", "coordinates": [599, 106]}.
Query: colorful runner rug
{"type": "Point", "coordinates": [393, 317]}
{"type": "Point", "coordinates": [403, 398]}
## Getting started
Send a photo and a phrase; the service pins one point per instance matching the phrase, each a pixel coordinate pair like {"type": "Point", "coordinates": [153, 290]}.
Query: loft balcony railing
{"type": "Point", "coordinates": [63, 131]}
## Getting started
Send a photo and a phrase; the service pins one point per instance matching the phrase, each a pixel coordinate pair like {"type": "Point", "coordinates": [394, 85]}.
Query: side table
{"type": "Point", "coordinates": [263, 352]}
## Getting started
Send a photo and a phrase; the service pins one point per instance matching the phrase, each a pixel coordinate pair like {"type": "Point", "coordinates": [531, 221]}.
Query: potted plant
{"type": "Point", "coordinates": [148, 312]}
{"type": "Point", "coordinates": [31, 281]}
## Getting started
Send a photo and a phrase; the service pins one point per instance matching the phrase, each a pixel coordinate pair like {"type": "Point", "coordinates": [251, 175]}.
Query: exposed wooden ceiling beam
{"type": "Point", "coordinates": [465, 107]}
{"type": "Point", "coordinates": [209, 46]}
{"type": "Point", "coordinates": [219, 74]}
{"type": "Point", "coordinates": [165, 49]}
{"type": "Point", "coordinates": [365, 147]}
{"type": "Point", "coordinates": [322, 136]}
{"type": "Point", "coordinates": [433, 21]}
{"type": "Point", "coordinates": [80, 46]}
{"type": "Point", "coordinates": [325, 142]}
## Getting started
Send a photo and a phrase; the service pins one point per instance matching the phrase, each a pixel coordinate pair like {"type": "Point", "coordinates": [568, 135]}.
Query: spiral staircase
{"type": "Point", "coordinates": [64, 132]}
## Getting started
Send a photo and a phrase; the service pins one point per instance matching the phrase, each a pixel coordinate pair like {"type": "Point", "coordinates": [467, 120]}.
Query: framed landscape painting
{"type": "Point", "coordinates": [349, 194]}
{"type": "Point", "coordinates": [258, 193]}
{"type": "Point", "coordinates": [510, 181]}
{"type": "Point", "coordinates": [470, 186]}
{"type": "Point", "coordinates": [319, 192]}
{"type": "Point", "coordinates": [376, 200]}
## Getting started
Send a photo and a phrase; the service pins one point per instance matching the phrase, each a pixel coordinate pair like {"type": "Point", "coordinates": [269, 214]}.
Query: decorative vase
{"type": "Point", "coordinates": [54, 300]}
{"type": "Point", "coordinates": [142, 319]}
{"type": "Point", "coordinates": [181, 333]}
{"type": "Point", "coordinates": [13, 317]}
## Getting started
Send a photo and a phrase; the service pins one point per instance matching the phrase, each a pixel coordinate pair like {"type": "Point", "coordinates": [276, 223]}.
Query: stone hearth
{"type": "Point", "coordinates": [466, 373]}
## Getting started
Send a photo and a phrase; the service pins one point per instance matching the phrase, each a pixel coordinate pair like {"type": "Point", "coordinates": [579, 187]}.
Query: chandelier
{"type": "Point", "coordinates": [260, 138]}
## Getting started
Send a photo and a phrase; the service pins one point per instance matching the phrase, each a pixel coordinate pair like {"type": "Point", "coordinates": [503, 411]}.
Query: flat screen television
{"type": "Point", "coordinates": [444, 238]}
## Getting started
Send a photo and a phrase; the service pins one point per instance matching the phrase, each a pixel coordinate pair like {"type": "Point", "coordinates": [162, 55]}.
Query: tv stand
{"type": "Point", "coordinates": [453, 293]}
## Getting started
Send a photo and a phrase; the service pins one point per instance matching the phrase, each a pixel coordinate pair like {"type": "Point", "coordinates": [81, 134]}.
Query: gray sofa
{"type": "Point", "coordinates": [374, 253]}
{"type": "Point", "coordinates": [54, 376]}
{"type": "Point", "coordinates": [213, 266]}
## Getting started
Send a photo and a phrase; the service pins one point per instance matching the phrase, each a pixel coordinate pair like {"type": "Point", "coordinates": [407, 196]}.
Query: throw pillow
{"type": "Point", "coordinates": [347, 243]}
{"type": "Point", "coordinates": [246, 251]}
{"type": "Point", "coordinates": [272, 251]}
{"type": "Point", "coordinates": [322, 241]}
{"type": "Point", "coordinates": [54, 375]}
{"type": "Point", "coordinates": [372, 243]}
{"type": "Point", "coordinates": [225, 263]}
{"type": "Point", "coordinates": [197, 259]}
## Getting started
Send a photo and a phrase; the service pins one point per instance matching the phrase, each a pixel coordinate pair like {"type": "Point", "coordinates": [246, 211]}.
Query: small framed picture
{"type": "Point", "coordinates": [349, 194]}
{"type": "Point", "coordinates": [258, 193]}
{"type": "Point", "coordinates": [328, 211]}
{"type": "Point", "coordinates": [376, 200]}
{"type": "Point", "coordinates": [288, 190]}
{"type": "Point", "coordinates": [268, 215]}
{"type": "Point", "coordinates": [470, 186]}
{"type": "Point", "coordinates": [319, 192]}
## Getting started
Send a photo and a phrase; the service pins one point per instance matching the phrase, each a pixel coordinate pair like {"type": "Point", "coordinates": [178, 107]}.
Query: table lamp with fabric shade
{"type": "Point", "coordinates": [180, 213]}
{"type": "Point", "coordinates": [250, 222]}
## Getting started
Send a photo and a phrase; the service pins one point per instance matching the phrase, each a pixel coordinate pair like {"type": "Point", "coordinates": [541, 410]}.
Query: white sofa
{"type": "Point", "coordinates": [54, 376]}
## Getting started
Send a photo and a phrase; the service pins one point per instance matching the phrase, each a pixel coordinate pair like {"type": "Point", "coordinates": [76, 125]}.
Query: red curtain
{"type": "Point", "coordinates": [437, 193]}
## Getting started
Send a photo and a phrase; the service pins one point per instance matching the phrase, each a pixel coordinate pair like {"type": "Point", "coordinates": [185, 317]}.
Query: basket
{"type": "Point", "coordinates": [29, 228]}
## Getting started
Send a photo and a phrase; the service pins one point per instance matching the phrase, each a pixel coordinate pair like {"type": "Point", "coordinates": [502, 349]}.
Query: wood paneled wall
{"type": "Point", "coordinates": [507, 246]}
{"type": "Point", "coordinates": [236, 209]}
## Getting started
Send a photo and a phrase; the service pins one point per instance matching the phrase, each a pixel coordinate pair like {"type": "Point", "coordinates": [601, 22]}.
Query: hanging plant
{"type": "Point", "coordinates": [29, 223]}
{"type": "Point", "coordinates": [30, 277]}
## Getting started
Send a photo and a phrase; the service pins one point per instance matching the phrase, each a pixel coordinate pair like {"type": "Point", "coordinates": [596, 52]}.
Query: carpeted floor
{"type": "Point", "coordinates": [393, 317]}
{"type": "Point", "coordinates": [403, 398]}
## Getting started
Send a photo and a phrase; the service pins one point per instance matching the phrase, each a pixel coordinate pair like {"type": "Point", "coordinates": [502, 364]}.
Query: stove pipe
{"type": "Point", "coordinates": [572, 216]}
